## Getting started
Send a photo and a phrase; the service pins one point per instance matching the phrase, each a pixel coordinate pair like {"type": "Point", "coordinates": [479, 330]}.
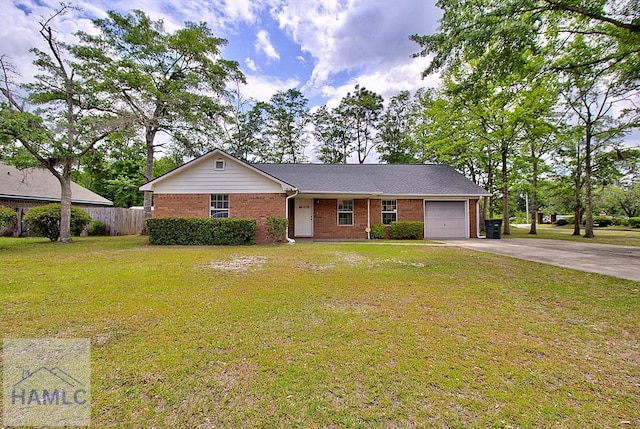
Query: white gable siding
{"type": "Point", "coordinates": [203, 178]}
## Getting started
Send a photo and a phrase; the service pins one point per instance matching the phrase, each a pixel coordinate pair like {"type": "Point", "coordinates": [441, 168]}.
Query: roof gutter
{"type": "Point", "coordinates": [286, 215]}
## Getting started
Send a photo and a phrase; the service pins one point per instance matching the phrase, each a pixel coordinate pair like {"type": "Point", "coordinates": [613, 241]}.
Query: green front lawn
{"type": "Point", "coordinates": [330, 334]}
{"type": "Point", "coordinates": [610, 235]}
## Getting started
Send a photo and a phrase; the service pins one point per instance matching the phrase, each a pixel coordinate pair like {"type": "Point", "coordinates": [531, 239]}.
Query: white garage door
{"type": "Point", "coordinates": [445, 219]}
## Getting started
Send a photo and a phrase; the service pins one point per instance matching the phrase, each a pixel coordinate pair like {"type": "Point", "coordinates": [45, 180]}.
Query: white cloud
{"type": "Point", "coordinates": [19, 32]}
{"type": "Point", "coordinates": [251, 65]}
{"type": "Point", "coordinates": [262, 87]}
{"type": "Point", "coordinates": [263, 44]}
{"type": "Point", "coordinates": [360, 36]}
{"type": "Point", "coordinates": [387, 82]}
{"type": "Point", "coordinates": [362, 41]}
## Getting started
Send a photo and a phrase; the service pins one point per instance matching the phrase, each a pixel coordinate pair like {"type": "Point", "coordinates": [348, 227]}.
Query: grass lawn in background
{"type": "Point", "coordinates": [609, 235]}
{"type": "Point", "coordinates": [330, 334]}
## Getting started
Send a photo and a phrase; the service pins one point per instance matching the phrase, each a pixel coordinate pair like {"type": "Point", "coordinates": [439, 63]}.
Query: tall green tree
{"type": "Point", "coordinates": [591, 96]}
{"type": "Point", "coordinates": [287, 117]}
{"type": "Point", "coordinates": [539, 140]}
{"type": "Point", "coordinates": [623, 200]}
{"type": "Point", "coordinates": [496, 39]}
{"type": "Point", "coordinates": [468, 27]}
{"type": "Point", "coordinates": [398, 124]}
{"type": "Point", "coordinates": [238, 124]}
{"type": "Point", "coordinates": [333, 138]}
{"type": "Point", "coordinates": [164, 82]}
{"type": "Point", "coordinates": [69, 121]}
{"type": "Point", "coordinates": [362, 110]}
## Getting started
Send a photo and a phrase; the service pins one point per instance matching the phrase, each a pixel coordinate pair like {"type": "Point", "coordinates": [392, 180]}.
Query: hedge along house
{"type": "Point", "coordinates": [321, 201]}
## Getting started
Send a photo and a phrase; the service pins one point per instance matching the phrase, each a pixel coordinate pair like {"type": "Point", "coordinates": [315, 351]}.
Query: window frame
{"type": "Point", "coordinates": [341, 210]}
{"type": "Point", "coordinates": [219, 206]}
{"type": "Point", "coordinates": [394, 212]}
{"type": "Point", "coordinates": [215, 165]}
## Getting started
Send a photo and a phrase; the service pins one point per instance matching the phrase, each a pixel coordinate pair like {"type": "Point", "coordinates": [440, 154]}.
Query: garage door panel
{"type": "Point", "coordinates": [445, 219]}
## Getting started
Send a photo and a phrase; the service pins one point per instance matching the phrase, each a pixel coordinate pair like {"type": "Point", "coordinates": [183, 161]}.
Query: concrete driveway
{"type": "Point", "coordinates": [617, 261]}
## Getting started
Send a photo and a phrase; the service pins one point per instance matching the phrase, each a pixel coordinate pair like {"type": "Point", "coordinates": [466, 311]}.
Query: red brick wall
{"type": "Point", "coordinates": [473, 231]}
{"type": "Point", "coordinates": [325, 220]}
{"type": "Point", "coordinates": [325, 217]}
{"type": "Point", "coordinates": [376, 211]}
{"type": "Point", "coordinates": [411, 210]}
{"type": "Point", "coordinates": [258, 207]}
{"type": "Point", "coordinates": [182, 205]}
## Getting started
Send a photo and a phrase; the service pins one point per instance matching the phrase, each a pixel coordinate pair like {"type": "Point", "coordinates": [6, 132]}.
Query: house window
{"type": "Point", "coordinates": [345, 212]}
{"type": "Point", "coordinates": [219, 164]}
{"type": "Point", "coordinates": [389, 211]}
{"type": "Point", "coordinates": [220, 205]}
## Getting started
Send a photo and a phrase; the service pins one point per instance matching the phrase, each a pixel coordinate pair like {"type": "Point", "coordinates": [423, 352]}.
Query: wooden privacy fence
{"type": "Point", "coordinates": [119, 221]}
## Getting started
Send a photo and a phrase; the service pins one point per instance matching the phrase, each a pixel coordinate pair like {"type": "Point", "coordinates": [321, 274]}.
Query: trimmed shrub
{"type": "Point", "coordinates": [234, 232]}
{"type": "Point", "coordinates": [634, 222]}
{"type": "Point", "coordinates": [44, 221]}
{"type": "Point", "coordinates": [79, 221]}
{"type": "Point", "coordinates": [277, 228]}
{"type": "Point", "coordinates": [97, 228]}
{"type": "Point", "coordinates": [7, 216]}
{"type": "Point", "coordinates": [602, 222]}
{"type": "Point", "coordinates": [377, 231]}
{"type": "Point", "coordinates": [198, 231]}
{"type": "Point", "coordinates": [406, 230]}
{"type": "Point", "coordinates": [174, 230]}
{"type": "Point", "coordinates": [620, 221]}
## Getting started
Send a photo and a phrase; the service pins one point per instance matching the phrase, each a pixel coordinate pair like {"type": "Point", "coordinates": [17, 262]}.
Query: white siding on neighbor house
{"type": "Point", "coordinates": [202, 178]}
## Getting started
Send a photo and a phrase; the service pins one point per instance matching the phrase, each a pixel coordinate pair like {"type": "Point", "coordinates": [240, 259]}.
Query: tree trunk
{"type": "Point", "coordinates": [506, 230]}
{"type": "Point", "coordinates": [150, 136]}
{"type": "Point", "coordinates": [577, 214]}
{"type": "Point", "coordinates": [534, 196]}
{"type": "Point", "coordinates": [588, 204]}
{"type": "Point", "coordinates": [65, 203]}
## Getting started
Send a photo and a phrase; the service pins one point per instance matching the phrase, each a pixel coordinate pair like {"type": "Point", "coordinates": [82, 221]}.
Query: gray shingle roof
{"type": "Point", "coordinates": [384, 179]}
{"type": "Point", "coordinates": [39, 184]}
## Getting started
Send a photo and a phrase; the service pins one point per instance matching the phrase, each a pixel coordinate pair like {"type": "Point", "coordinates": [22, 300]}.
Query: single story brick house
{"type": "Point", "coordinates": [30, 187]}
{"type": "Point", "coordinates": [321, 201]}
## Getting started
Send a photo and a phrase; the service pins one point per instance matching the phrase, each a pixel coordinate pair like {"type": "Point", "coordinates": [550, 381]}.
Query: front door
{"type": "Point", "coordinates": [304, 218]}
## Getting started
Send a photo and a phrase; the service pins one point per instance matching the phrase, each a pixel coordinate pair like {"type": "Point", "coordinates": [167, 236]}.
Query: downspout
{"type": "Point", "coordinates": [478, 218]}
{"type": "Point", "coordinates": [286, 215]}
{"type": "Point", "coordinates": [368, 218]}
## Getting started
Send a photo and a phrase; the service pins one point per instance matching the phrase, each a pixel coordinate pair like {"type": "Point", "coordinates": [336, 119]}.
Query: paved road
{"type": "Point", "coordinates": [617, 261]}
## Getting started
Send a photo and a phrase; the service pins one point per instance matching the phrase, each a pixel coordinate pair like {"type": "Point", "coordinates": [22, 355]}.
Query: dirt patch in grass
{"type": "Point", "coordinates": [315, 266]}
{"type": "Point", "coordinates": [238, 264]}
{"type": "Point", "coordinates": [351, 259]}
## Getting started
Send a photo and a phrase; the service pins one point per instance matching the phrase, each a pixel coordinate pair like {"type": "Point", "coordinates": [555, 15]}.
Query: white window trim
{"type": "Point", "coordinates": [383, 211]}
{"type": "Point", "coordinates": [353, 217]}
{"type": "Point", "coordinates": [215, 164]}
{"type": "Point", "coordinates": [212, 208]}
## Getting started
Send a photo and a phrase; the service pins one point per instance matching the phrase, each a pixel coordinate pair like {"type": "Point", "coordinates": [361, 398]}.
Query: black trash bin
{"type": "Point", "coordinates": [493, 227]}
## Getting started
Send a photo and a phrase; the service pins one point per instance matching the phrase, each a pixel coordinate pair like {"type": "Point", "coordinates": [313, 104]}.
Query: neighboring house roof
{"type": "Point", "coordinates": [382, 179]}
{"type": "Point", "coordinates": [40, 185]}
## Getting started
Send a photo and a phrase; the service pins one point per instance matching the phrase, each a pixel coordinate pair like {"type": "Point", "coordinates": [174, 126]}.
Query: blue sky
{"type": "Point", "coordinates": [322, 47]}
